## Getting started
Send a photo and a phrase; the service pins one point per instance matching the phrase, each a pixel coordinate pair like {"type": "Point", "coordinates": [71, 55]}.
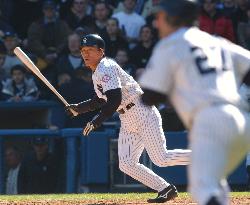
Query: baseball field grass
{"type": "Point", "coordinates": [237, 198]}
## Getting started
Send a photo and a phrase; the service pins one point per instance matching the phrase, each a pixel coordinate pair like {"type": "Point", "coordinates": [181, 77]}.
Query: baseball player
{"type": "Point", "coordinates": [141, 125]}
{"type": "Point", "coordinates": [200, 75]}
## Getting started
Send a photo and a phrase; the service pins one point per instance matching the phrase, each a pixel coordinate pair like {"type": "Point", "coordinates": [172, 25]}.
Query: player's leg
{"type": "Point", "coordinates": [155, 143]}
{"type": "Point", "coordinates": [130, 148]}
{"type": "Point", "coordinates": [214, 135]}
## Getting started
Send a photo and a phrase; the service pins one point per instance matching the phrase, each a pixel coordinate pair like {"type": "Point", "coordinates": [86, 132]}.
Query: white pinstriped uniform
{"type": "Point", "coordinates": [199, 78]}
{"type": "Point", "coordinates": [141, 127]}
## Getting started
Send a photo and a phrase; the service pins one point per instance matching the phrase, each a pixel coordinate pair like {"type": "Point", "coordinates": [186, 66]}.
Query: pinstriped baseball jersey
{"type": "Point", "coordinates": [109, 75]}
{"type": "Point", "coordinates": [141, 127]}
{"type": "Point", "coordinates": [201, 77]}
{"type": "Point", "coordinates": [188, 76]}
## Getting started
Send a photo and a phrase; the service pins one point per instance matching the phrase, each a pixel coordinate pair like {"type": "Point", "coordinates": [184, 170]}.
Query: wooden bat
{"type": "Point", "coordinates": [31, 66]}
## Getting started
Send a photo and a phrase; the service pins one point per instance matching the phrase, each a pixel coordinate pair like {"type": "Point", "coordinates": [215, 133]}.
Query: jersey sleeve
{"type": "Point", "coordinates": [158, 75]}
{"type": "Point", "coordinates": [109, 78]}
{"type": "Point", "coordinates": [241, 60]}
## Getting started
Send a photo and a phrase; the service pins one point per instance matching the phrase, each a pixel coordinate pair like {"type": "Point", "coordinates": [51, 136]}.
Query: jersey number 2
{"type": "Point", "coordinates": [202, 61]}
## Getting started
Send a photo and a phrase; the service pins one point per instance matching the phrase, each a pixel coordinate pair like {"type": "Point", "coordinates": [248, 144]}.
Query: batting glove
{"type": "Point", "coordinates": [70, 109]}
{"type": "Point", "coordinates": [89, 127]}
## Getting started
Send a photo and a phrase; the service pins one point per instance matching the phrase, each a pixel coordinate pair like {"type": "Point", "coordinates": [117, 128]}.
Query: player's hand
{"type": "Point", "coordinates": [89, 127]}
{"type": "Point", "coordinates": [73, 107]}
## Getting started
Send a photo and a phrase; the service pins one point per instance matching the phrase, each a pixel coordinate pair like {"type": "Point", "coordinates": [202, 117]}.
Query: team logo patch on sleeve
{"type": "Point", "coordinates": [106, 78]}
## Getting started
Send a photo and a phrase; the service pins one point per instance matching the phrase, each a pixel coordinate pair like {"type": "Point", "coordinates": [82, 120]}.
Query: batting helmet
{"type": "Point", "coordinates": [184, 10]}
{"type": "Point", "coordinates": [93, 40]}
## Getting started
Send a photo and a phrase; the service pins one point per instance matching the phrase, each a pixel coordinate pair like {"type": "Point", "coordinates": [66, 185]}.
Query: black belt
{"type": "Point", "coordinates": [128, 106]}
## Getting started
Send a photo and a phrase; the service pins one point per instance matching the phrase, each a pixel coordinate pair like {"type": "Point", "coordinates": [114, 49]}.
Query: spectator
{"type": "Point", "coordinates": [240, 14]}
{"type": "Point", "coordinates": [24, 13]}
{"type": "Point", "coordinates": [229, 8]}
{"type": "Point", "coordinates": [2, 60]}
{"type": "Point", "coordinates": [38, 172]}
{"type": "Point", "coordinates": [72, 60]}
{"type": "Point", "coordinates": [139, 5]}
{"type": "Point", "coordinates": [64, 7]}
{"type": "Point", "coordinates": [10, 40]}
{"type": "Point", "coordinates": [101, 14]}
{"type": "Point", "coordinates": [244, 32]}
{"type": "Point", "coordinates": [214, 22]}
{"type": "Point", "coordinates": [48, 36]}
{"type": "Point", "coordinates": [18, 88]}
{"type": "Point", "coordinates": [113, 38]}
{"type": "Point", "coordinates": [141, 53]}
{"type": "Point", "coordinates": [129, 21]}
{"type": "Point", "coordinates": [78, 17]}
{"type": "Point", "coordinates": [13, 162]}
{"type": "Point", "coordinates": [6, 9]}
{"type": "Point", "coordinates": [148, 8]}
{"type": "Point", "coordinates": [4, 26]}
{"type": "Point", "coordinates": [122, 58]}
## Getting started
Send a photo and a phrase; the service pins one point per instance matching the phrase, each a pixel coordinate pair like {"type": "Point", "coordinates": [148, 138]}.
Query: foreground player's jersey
{"type": "Point", "coordinates": [195, 69]}
{"type": "Point", "coordinates": [109, 75]}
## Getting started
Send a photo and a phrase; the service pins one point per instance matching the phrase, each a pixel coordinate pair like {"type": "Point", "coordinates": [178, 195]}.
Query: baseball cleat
{"type": "Point", "coordinates": [165, 195]}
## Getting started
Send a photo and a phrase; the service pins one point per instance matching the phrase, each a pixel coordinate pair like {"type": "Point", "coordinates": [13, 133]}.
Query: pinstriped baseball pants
{"type": "Point", "coordinates": [219, 140]}
{"type": "Point", "coordinates": [141, 128]}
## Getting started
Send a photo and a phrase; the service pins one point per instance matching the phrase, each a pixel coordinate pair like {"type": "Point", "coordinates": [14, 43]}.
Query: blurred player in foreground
{"type": "Point", "coordinates": [200, 74]}
{"type": "Point", "coordinates": [141, 125]}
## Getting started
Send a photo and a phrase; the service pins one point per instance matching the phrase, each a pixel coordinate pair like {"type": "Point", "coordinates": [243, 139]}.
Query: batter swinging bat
{"type": "Point", "coordinates": [31, 66]}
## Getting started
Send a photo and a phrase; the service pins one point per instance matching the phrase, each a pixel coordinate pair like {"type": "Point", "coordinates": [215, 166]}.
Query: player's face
{"type": "Point", "coordinates": [92, 56]}
{"type": "Point", "coordinates": [162, 26]}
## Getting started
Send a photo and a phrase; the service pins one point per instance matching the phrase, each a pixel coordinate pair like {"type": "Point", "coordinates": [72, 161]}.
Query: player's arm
{"type": "Point", "coordinates": [156, 81]}
{"type": "Point", "coordinates": [241, 59]}
{"type": "Point", "coordinates": [85, 106]}
{"type": "Point", "coordinates": [111, 85]}
{"type": "Point", "coordinates": [114, 98]}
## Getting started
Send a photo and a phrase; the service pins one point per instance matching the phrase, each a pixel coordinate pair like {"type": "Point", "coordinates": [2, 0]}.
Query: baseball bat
{"type": "Point", "coordinates": [31, 66]}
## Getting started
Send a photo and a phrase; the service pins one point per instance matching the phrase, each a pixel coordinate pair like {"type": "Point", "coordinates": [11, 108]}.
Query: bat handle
{"type": "Point", "coordinates": [73, 112]}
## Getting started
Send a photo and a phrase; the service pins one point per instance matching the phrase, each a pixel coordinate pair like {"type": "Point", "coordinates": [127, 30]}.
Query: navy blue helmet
{"type": "Point", "coordinates": [184, 11]}
{"type": "Point", "coordinates": [92, 40]}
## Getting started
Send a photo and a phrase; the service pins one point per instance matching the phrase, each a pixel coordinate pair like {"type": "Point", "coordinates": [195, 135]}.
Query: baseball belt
{"type": "Point", "coordinates": [128, 106]}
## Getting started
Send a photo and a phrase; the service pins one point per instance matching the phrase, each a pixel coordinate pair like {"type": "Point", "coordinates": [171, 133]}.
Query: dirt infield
{"type": "Point", "coordinates": [177, 201]}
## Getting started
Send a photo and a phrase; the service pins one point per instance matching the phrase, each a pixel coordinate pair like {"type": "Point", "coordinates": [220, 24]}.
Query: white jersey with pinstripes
{"type": "Point", "coordinates": [109, 75]}
{"type": "Point", "coordinates": [141, 127]}
{"type": "Point", "coordinates": [199, 72]}
{"type": "Point", "coordinates": [201, 75]}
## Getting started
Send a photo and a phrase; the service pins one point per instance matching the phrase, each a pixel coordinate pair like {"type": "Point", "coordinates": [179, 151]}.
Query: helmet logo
{"type": "Point", "coordinates": [84, 40]}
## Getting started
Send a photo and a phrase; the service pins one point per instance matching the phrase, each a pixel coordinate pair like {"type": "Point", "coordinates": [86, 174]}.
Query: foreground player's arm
{"type": "Point", "coordinates": [85, 106]}
{"type": "Point", "coordinates": [150, 97]}
{"type": "Point", "coordinates": [114, 98]}
{"type": "Point", "coordinates": [156, 81]}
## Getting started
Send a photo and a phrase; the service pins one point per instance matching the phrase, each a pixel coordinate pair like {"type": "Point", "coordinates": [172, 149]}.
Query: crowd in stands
{"type": "Point", "coordinates": [49, 31]}
{"type": "Point", "coordinates": [38, 171]}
